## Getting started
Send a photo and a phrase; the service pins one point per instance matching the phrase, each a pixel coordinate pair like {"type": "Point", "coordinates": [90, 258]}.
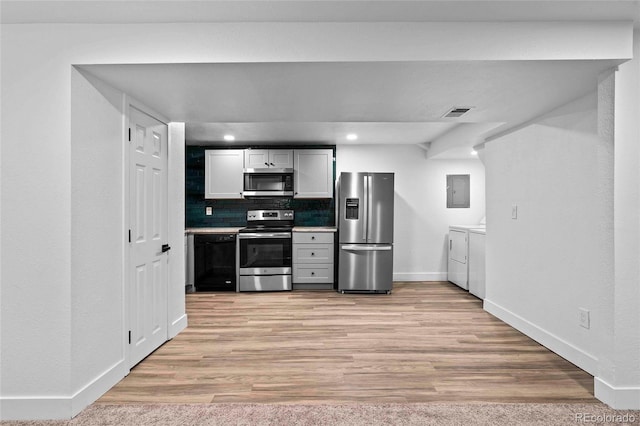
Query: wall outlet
{"type": "Point", "coordinates": [514, 211]}
{"type": "Point", "coordinates": [584, 317]}
{"type": "Point", "coordinates": [208, 211]}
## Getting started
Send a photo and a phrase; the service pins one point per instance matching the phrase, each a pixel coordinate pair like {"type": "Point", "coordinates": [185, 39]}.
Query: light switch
{"type": "Point", "coordinates": [514, 211]}
{"type": "Point", "coordinates": [584, 318]}
{"type": "Point", "coordinates": [208, 211]}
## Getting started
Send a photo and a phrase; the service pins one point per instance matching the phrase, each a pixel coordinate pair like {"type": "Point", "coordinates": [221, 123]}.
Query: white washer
{"type": "Point", "coordinates": [458, 259]}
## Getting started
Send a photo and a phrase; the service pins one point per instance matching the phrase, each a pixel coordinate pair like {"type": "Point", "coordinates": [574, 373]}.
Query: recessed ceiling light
{"type": "Point", "coordinates": [474, 152]}
{"type": "Point", "coordinates": [229, 138]}
{"type": "Point", "coordinates": [352, 137]}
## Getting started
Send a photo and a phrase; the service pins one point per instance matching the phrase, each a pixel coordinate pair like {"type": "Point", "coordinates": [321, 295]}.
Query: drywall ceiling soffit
{"type": "Point", "coordinates": [459, 141]}
{"type": "Point", "coordinates": [149, 11]}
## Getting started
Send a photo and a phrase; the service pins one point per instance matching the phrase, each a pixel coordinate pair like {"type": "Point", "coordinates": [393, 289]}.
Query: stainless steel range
{"type": "Point", "coordinates": [264, 251]}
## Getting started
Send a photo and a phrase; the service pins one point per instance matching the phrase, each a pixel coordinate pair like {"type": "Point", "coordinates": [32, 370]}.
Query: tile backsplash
{"type": "Point", "coordinates": [232, 213]}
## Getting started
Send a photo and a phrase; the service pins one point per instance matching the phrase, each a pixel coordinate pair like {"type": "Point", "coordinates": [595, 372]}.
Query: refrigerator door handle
{"type": "Point", "coordinates": [365, 210]}
{"type": "Point", "coordinates": [366, 248]}
{"type": "Point", "coordinates": [369, 209]}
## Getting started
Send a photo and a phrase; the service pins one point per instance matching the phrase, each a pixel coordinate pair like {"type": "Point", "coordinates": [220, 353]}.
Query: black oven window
{"type": "Point", "coordinates": [265, 253]}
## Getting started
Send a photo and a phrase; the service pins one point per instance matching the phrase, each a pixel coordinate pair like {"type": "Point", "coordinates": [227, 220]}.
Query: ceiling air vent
{"type": "Point", "coordinates": [457, 112]}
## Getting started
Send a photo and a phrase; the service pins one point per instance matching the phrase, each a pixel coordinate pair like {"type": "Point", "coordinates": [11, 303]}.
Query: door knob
{"type": "Point", "coordinates": [166, 247]}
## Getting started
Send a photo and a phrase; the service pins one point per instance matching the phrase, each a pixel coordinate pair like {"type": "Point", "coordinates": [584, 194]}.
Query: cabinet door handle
{"type": "Point", "coordinates": [313, 254]}
{"type": "Point", "coordinates": [450, 241]}
{"type": "Point", "coordinates": [272, 164]}
{"type": "Point", "coordinates": [266, 164]}
{"type": "Point", "coordinates": [313, 273]}
{"type": "Point", "coordinates": [313, 238]}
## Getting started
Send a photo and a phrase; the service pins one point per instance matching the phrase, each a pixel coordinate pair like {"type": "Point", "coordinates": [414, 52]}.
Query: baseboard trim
{"type": "Point", "coordinates": [98, 387]}
{"type": "Point", "coordinates": [618, 398]}
{"type": "Point", "coordinates": [561, 347]}
{"type": "Point", "coordinates": [35, 408]}
{"type": "Point", "coordinates": [420, 276]}
{"type": "Point", "coordinates": [61, 407]}
{"type": "Point", "coordinates": [177, 326]}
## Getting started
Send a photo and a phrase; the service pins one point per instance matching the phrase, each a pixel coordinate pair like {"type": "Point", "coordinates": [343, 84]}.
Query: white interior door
{"type": "Point", "coordinates": [149, 226]}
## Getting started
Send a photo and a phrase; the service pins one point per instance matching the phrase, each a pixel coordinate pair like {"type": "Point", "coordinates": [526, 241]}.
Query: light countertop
{"type": "Point", "coordinates": [213, 230]}
{"type": "Point", "coordinates": [314, 229]}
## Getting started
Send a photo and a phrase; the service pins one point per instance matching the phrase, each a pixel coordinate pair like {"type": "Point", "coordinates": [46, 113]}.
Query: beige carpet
{"type": "Point", "coordinates": [348, 414]}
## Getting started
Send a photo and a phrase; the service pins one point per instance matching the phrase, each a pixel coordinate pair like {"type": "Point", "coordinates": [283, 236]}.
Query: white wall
{"type": "Point", "coordinates": [39, 268]}
{"type": "Point", "coordinates": [176, 189]}
{"type": "Point", "coordinates": [421, 215]}
{"type": "Point", "coordinates": [97, 246]}
{"type": "Point", "coordinates": [550, 261]}
{"type": "Point", "coordinates": [618, 383]}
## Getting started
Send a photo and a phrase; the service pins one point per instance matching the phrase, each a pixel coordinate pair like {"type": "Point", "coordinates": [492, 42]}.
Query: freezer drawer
{"type": "Point", "coordinates": [365, 267]}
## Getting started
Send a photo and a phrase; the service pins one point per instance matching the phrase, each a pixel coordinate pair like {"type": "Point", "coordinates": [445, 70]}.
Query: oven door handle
{"type": "Point", "coordinates": [254, 235]}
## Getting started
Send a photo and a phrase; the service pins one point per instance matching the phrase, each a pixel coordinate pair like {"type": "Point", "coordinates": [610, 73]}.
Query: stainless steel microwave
{"type": "Point", "coordinates": [269, 182]}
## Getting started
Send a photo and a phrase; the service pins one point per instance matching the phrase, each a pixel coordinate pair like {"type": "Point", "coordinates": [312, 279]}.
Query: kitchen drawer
{"type": "Point", "coordinates": [313, 253]}
{"type": "Point", "coordinates": [312, 237]}
{"type": "Point", "coordinates": [313, 273]}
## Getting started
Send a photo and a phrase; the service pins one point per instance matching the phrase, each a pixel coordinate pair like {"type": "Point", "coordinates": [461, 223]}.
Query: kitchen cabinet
{"type": "Point", "coordinates": [313, 265]}
{"type": "Point", "coordinates": [223, 173]}
{"type": "Point", "coordinates": [477, 262]}
{"type": "Point", "coordinates": [268, 158]}
{"type": "Point", "coordinates": [313, 173]}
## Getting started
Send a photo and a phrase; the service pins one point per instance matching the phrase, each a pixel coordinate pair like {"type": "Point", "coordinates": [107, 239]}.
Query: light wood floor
{"type": "Point", "coordinates": [426, 342]}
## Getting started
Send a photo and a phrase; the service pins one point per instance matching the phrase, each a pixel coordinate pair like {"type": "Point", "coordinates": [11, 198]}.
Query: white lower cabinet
{"type": "Point", "coordinates": [313, 260]}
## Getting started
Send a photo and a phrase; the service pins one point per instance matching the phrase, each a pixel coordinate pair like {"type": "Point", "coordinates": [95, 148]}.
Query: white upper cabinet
{"type": "Point", "coordinates": [264, 158]}
{"type": "Point", "coordinates": [281, 158]}
{"type": "Point", "coordinates": [223, 173]}
{"type": "Point", "coordinates": [313, 173]}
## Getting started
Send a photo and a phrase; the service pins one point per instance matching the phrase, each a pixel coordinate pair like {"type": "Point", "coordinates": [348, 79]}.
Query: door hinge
{"type": "Point", "coordinates": [129, 134]}
{"type": "Point", "coordinates": [129, 336]}
{"type": "Point", "coordinates": [129, 235]}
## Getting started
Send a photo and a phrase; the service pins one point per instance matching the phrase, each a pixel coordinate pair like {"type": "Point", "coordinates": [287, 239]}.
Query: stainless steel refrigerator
{"type": "Point", "coordinates": [365, 232]}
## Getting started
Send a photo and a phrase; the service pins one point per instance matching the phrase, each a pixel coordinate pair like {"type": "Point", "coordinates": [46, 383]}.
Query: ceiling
{"type": "Point", "coordinates": [321, 102]}
{"type": "Point", "coordinates": [137, 11]}
{"type": "Point", "coordinates": [383, 102]}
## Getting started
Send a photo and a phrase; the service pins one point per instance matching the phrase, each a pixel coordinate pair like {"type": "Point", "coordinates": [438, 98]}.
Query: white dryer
{"type": "Point", "coordinates": [458, 259]}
